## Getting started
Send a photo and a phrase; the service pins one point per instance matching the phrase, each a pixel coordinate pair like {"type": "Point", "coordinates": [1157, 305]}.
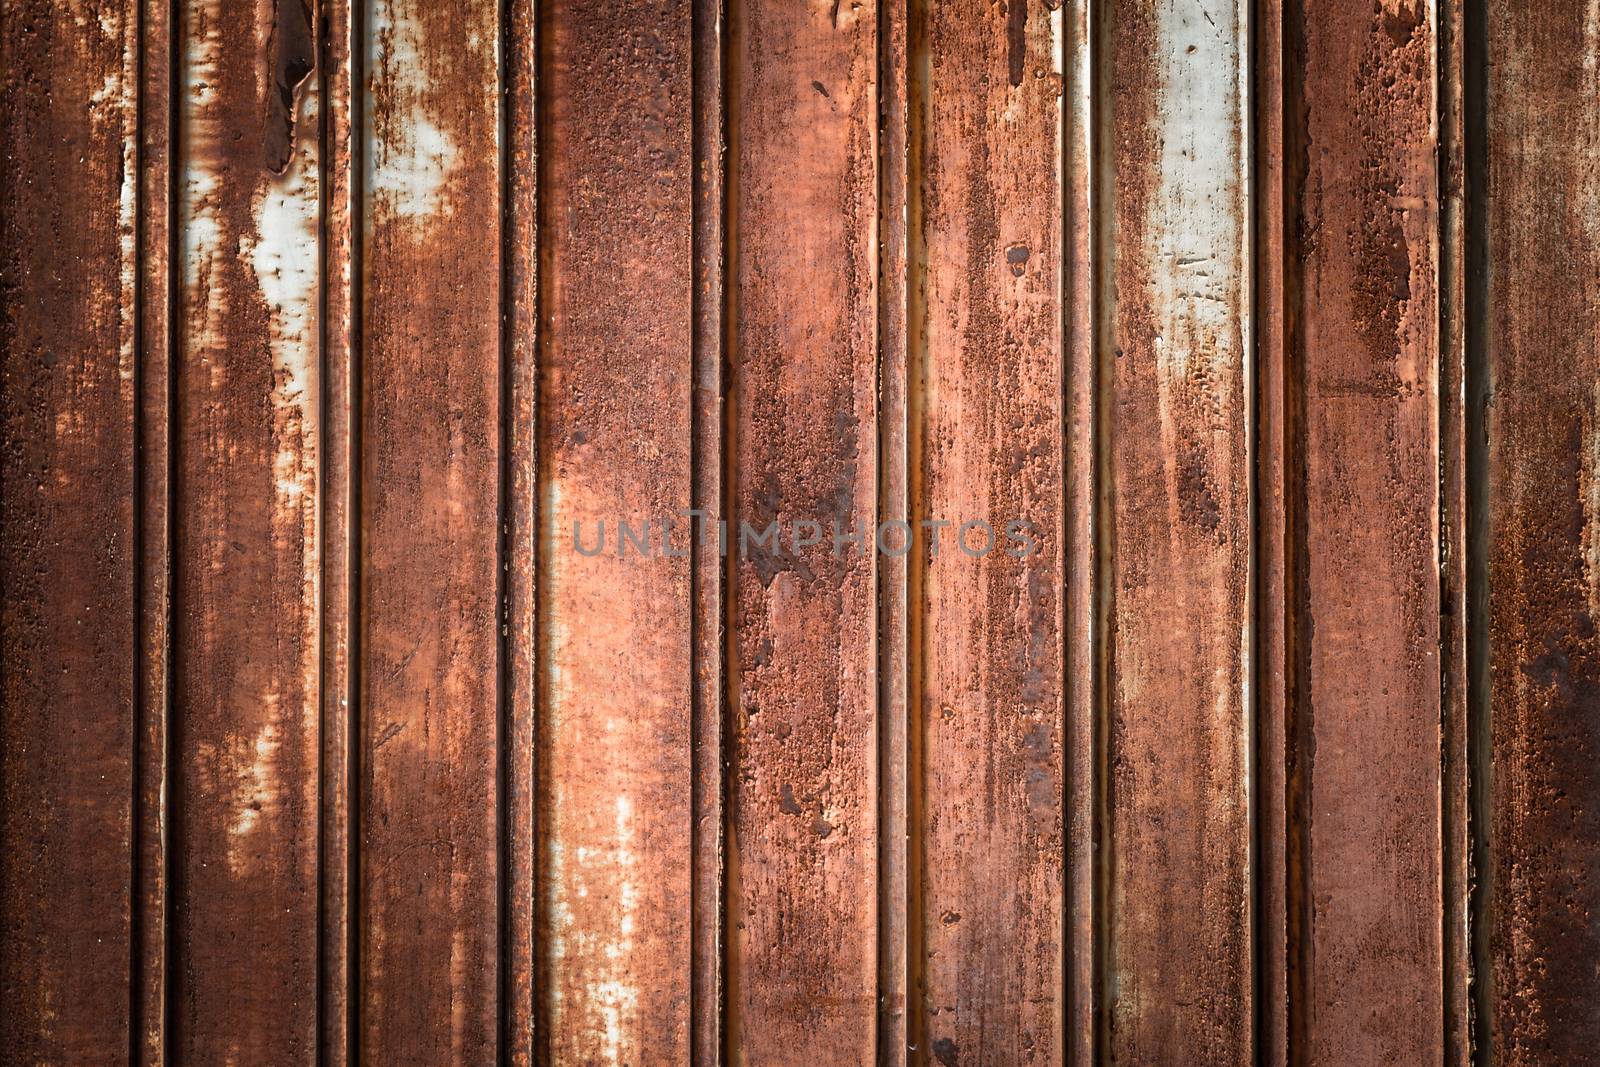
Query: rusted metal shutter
{"type": "Point", "coordinates": [1020, 532]}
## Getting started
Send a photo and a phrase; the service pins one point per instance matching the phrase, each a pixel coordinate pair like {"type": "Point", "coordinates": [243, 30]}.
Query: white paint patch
{"type": "Point", "coordinates": [408, 169]}
{"type": "Point", "coordinates": [1195, 234]}
{"type": "Point", "coordinates": [252, 790]}
{"type": "Point", "coordinates": [611, 999]}
{"type": "Point", "coordinates": [281, 256]}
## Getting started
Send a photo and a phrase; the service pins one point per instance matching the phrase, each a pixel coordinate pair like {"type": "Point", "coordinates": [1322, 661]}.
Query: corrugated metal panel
{"type": "Point", "coordinates": [1255, 340]}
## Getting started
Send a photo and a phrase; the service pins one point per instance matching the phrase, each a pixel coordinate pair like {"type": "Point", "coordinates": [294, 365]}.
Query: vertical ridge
{"type": "Point", "coordinates": [543, 538]}
{"type": "Point", "coordinates": [918, 77]}
{"type": "Point", "coordinates": [1454, 778]}
{"type": "Point", "coordinates": [1103, 296]}
{"type": "Point", "coordinates": [520, 524]}
{"type": "Point", "coordinates": [731, 1018]}
{"type": "Point", "coordinates": [706, 564]}
{"type": "Point", "coordinates": [502, 612]}
{"type": "Point", "coordinates": [354, 691]}
{"type": "Point", "coordinates": [156, 259]}
{"type": "Point", "coordinates": [1298, 750]}
{"type": "Point", "coordinates": [1269, 631]}
{"type": "Point", "coordinates": [1476, 385]}
{"type": "Point", "coordinates": [893, 919]}
{"type": "Point", "coordinates": [155, 294]}
{"type": "Point", "coordinates": [173, 839]}
{"type": "Point", "coordinates": [335, 428]}
{"type": "Point", "coordinates": [1082, 636]}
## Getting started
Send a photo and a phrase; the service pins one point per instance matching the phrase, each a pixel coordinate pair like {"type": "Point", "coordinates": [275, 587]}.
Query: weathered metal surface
{"type": "Point", "coordinates": [339, 387]}
{"type": "Point", "coordinates": [150, 757]}
{"type": "Point", "coordinates": [1177, 494]}
{"type": "Point", "coordinates": [430, 497]}
{"type": "Point", "coordinates": [708, 573]}
{"type": "Point", "coordinates": [1082, 688]}
{"type": "Point", "coordinates": [321, 740]}
{"type": "Point", "coordinates": [986, 654]}
{"type": "Point", "coordinates": [246, 457]}
{"type": "Point", "coordinates": [521, 1027]}
{"type": "Point", "coordinates": [894, 944]}
{"type": "Point", "coordinates": [68, 240]}
{"type": "Point", "coordinates": [616, 611]}
{"type": "Point", "coordinates": [802, 853]}
{"type": "Point", "coordinates": [1365, 867]}
{"type": "Point", "coordinates": [1540, 328]}
{"type": "Point", "coordinates": [1272, 450]}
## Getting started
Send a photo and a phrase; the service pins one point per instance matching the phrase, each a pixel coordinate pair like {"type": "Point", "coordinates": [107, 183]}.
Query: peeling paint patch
{"type": "Point", "coordinates": [411, 162]}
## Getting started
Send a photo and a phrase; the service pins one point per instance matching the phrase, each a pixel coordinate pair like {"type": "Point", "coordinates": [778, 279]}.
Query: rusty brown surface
{"type": "Point", "coordinates": [1179, 536]}
{"type": "Point", "coordinates": [1081, 538]}
{"type": "Point", "coordinates": [522, 1026]}
{"type": "Point", "coordinates": [67, 531]}
{"type": "Point", "coordinates": [1285, 716]}
{"type": "Point", "coordinates": [429, 716]}
{"type": "Point", "coordinates": [1270, 446]}
{"type": "Point", "coordinates": [1457, 573]}
{"type": "Point", "coordinates": [1365, 598]}
{"type": "Point", "coordinates": [803, 851]}
{"type": "Point", "coordinates": [617, 398]}
{"type": "Point", "coordinates": [894, 944]}
{"type": "Point", "coordinates": [986, 697]}
{"type": "Point", "coordinates": [339, 370]}
{"type": "Point", "coordinates": [150, 757]}
{"type": "Point", "coordinates": [246, 696]}
{"type": "Point", "coordinates": [1541, 324]}
{"type": "Point", "coordinates": [708, 572]}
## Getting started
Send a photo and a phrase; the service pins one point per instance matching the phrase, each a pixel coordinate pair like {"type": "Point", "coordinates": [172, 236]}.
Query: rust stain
{"type": "Point", "coordinates": [1367, 642]}
{"type": "Point", "coordinates": [803, 187]}
{"type": "Point", "coordinates": [1543, 432]}
{"type": "Point", "coordinates": [415, 781]}
{"type": "Point", "coordinates": [292, 48]}
{"type": "Point", "coordinates": [246, 688]}
{"type": "Point", "coordinates": [67, 548]}
{"type": "Point", "coordinates": [987, 701]}
{"type": "Point", "coordinates": [429, 897]}
{"type": "Point", "coordinates": [1179, 730]}
{"type": "Point", "coordinates": [616, 426]}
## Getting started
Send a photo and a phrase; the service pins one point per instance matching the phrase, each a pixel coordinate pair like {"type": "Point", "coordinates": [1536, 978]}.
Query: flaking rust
{"type": "Point", "coordinates": [1179, 912]}
{"type": "Point", "coordinates": [1542, 333]}
{"type": "Point", "coordinates": [1366, 699]}
{"type": "Point", "coordinates": [616, 435]}
{"type": "Point", "coordinates": [67, 500]}
{"type": "Point", "coordinates": [429, 716]}
{"type": "Point", "coordinates": [293, 51]}
{"type": "Point", "coordinates": [986, 700]}
{"type": "Point", "coordinates": [246, 686]}
{"type": "Point", "coordinates": [803, 180]}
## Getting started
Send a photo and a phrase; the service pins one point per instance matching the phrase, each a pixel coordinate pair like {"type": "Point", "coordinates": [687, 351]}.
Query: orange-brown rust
{"type": "Point", "coordinates": [708, 568]}
{"type": "Point", "coordinates": [1178, 499]}
{"type": "Point", "coordinates": [1081, 537]}
{"type": "Point", "coordinates": [802, 884]}
{"type": "Point", "coordinates": [430, 494]}
{"type": "Point", "coordinates": [247, 568]}
{"type": "Point", "coordinates": [617, 381]}
{"type": "Point", "coordinates": [1541, 330]}
{"type": "Point", "coordinates": [893, 664]}
{"type": "Point", "coordinates": [989, 703]}
{"type": "Point", "coordinates": [336, 90]}
{"type": "Point", "coordinates": [1366, 685]}
{"type": "Point", "coordinates": [67, 651]}
{"type": "Point", "coordinates": [1269, 644]}
{"type": "Point", "coordinates": [151, 44]}
{"type": "Point", "coordinates": [522, 1023]}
